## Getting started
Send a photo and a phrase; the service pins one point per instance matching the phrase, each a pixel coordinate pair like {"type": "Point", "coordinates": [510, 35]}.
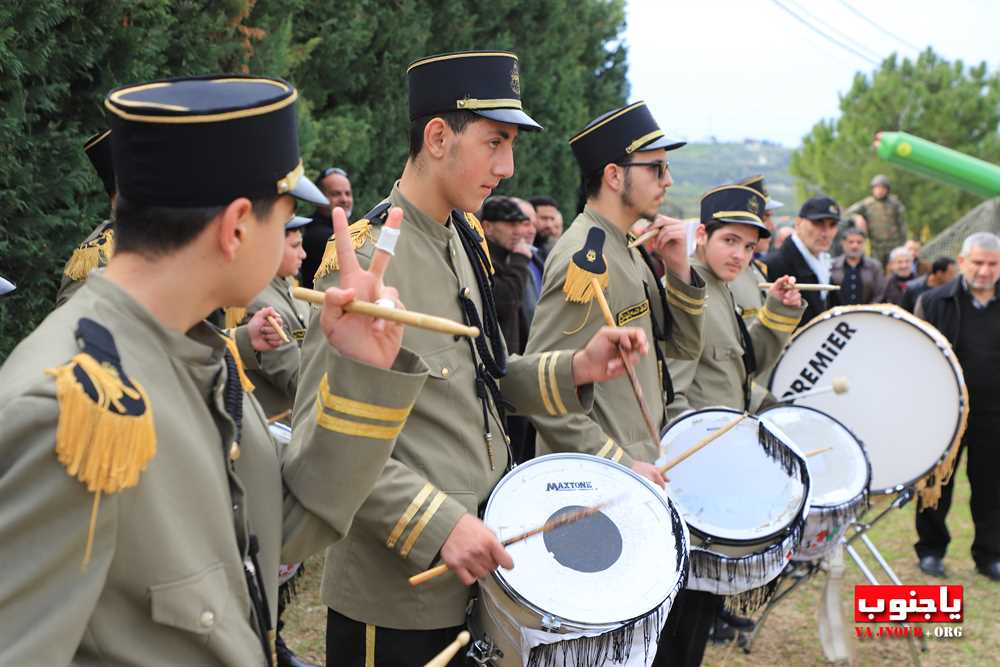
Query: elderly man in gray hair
{"type": "Point", "coordinates": [967, 311]}
{"type": "Point", "coordinates": [898, 272]}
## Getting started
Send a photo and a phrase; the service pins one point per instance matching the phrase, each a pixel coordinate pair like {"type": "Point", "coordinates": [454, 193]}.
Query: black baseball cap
{"type": "Point", "coordinates": [503, 209]}
{"type": "Point", "coordinates": [820, 208]}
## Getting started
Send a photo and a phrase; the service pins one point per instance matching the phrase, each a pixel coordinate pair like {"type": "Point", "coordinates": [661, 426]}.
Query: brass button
{"type": "Point", "coordinates": [444, 372]}
{"type": "Point", "coordinates": [207, 619]}
{"type": "Point", "coordinates": [465, 292]}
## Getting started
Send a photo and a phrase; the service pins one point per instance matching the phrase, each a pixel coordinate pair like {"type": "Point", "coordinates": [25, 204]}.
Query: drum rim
{"type": "Point", "coordinates": [859, 441]}
{"type": "Point", "coordinates": [732, 541]}
{"type": "Point", "coordinates": [508, 589]}
{"type": "Point", "coordinates": [895, 312]}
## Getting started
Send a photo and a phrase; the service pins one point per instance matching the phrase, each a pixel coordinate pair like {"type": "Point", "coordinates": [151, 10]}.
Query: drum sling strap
{"type": "Point", "coordinates": [259, 607]}
{"type": "Point", "coordinates": [492, 364]}
{"type": "Point", "coordinates": [660, 332]}
{"type": "Point", "coordinates": [749, 359]}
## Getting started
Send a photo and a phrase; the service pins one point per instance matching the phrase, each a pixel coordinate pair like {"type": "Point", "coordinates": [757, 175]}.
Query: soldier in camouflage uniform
{"type": "Point", "coordinates": [883, 214]}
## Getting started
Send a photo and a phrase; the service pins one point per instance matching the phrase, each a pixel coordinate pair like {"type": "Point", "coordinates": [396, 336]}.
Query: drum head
{"type": "Point", "coordinates": [730, 490]}
{"type": "Point", "coordinates": [838, 475]}
{"type": "Point", "coordinates": [604, 570]}
{"type": "Point", "coordinates": [905, 395]}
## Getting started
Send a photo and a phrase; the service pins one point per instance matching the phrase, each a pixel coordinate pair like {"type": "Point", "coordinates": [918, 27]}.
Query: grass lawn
{"type": "Point", "coordinates": [790, 637]}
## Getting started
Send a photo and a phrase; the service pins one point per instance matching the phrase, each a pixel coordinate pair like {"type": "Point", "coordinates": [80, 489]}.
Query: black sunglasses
{"type": "Point", "coordinates": [661, 167]}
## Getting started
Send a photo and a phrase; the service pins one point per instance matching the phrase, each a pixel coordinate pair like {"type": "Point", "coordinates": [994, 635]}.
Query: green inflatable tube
{"type": "Point", "coordinates": [935, 161]}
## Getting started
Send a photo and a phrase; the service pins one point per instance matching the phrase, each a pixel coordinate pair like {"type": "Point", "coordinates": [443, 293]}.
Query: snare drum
{"type": "Point", "coordinates": [840, 475]}
{"type": "Point", "coordinates": [590, 593]}
{"type": "Point", "coordinates": [744, 498]}
{"type": "Point", "coordinates": [282, 435]}
{"type": "Point", "coordinates": [906, 401]}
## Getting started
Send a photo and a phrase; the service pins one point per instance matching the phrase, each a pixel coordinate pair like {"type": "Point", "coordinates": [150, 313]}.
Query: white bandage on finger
{"type": "Point", "coordinates": [385, 302]}
{"type": "Point", "coordinates": [387, 240]}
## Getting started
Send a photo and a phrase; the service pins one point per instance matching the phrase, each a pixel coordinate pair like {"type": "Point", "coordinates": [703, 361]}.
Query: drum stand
{"type": "Point", "coordinates": [860, 529]}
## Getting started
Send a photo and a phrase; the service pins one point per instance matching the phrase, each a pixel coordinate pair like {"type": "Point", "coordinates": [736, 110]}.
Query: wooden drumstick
{"type": "Point", "coordinates": [445, 656]}
{"type": "Point", "coordinates": [817, 451]}
{"type": "Point", "coordinates": [642, 238]}
{"type": "Point", "coordinates": [708, 439]}
{"type": "Point", "coordinates": [632, 377]}
{"type": "Point", "coordinates": [839, 385]}
{"type": "Point", "coordinates": [806, 287]}
{"type": "Point", "coordinates": [408, 317]}
{"type": "Point", "coordinates": [281, 415]}
{"type": "Point", "coordinates": [277, 327]}
{"type": "Point", "coordinates": [564, 520]}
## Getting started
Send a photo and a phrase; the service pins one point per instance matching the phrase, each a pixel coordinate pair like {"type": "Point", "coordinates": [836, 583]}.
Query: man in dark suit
{"type": "Point", "coordinates": [806, 253]}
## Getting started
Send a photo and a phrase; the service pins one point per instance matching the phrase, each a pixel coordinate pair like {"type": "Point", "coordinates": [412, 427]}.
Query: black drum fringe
{"type": "Point", "coordinates": [287, 591]}
{"type": "Point", "coordinates": [616, 645]}
{"type": "Point", "coordinates": [778, 451]}
{"type": "Point", "coordinates": [836, 515]}
{"type": "Point", "coordinates": [711, 566]}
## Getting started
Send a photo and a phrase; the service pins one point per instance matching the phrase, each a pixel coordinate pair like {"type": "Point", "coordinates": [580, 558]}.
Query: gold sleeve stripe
{"type": "Point", "coordinates": [425, 518]}
{"type": "Point", "coordinates": [619, 452]}
{"type": "Point", "coordinates": [407, 516]}
{"type": "Point", "coordinates": [350, 427]}
{"type": "Point", "coordinates": [606, 449]}
{"type": "Point", "coordinates": [683, 306]}
{"type": "Point", "coordinates": [554, 384]}
{"type": "Point", "coordinates": [765, 319]}
{"type": "Point", "coordinates": [676, 293]}
{"type": "Point", "coordinates": [369, 645]}
{"type": "Point", "coordinates": [780, 319]}
{"type": "Point", "coordinates": [354, 408]}
{"type": "Point", "coordinates": [542, 388]}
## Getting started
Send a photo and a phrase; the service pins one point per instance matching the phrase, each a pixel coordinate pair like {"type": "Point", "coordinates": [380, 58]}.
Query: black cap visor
{"type": "Point", "coordinates": [305, 190]}
{"type": "Point", "coordinates": [511, 117]}
{"type": "Point", "coordinates": [662, 142]}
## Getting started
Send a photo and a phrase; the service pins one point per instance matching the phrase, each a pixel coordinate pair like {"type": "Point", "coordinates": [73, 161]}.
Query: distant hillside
{"type": "Point", "coordinates": [699, 167]}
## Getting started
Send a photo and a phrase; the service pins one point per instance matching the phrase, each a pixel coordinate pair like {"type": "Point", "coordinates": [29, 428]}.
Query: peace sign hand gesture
{"type": "Point", "coordinates": [361, 337]}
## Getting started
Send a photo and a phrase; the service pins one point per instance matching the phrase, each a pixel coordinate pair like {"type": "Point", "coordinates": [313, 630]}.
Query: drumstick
{"type": "Point", "coordinates": [279, 416]}
{"type": "Point", "coordinates": [806, 287]}
{"type": "Point", "coordinates": [817, 451]}
{"type": "Point", "coordinates": [838, 386]}
{"type": "Point", "coordinates": [281, 332]}
{"type": "Point", "coordinates": [419, 320]}
{"type": "Point", "coordinates": [442, 658]}
{"type": "Point", "coordinates": [632, 377]}
{"type": "Point", "coordinates": [708, 439]}
{"type": "Point", "coordinates": [564, 520]}
{"type": "Point", "coordinates": [642, 238]}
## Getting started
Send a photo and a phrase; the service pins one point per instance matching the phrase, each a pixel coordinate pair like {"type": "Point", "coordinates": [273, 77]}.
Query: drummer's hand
{"type": "Point", "coordinates": [785, 290]}
{"type": "Point", "coordinates": [671, 245]}
{"type": "Point", "coordinates": [472, 550]}
{"type": "Point", "coordinates": [367, 339]}
{"type": "Point", "coordinates": [599, 360]}
{"type": "Point", "coordinates": [264, 337]}
{"type": "Point", "coordinates": [650, 472]}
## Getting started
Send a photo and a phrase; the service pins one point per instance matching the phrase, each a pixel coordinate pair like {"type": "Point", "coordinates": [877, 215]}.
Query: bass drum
{"type": "Point", "coordinates": [906, 401]}
{"type": "Point", "coordinates": [589, 593]}
{"type": "Point", "coordinates": [839, 471]}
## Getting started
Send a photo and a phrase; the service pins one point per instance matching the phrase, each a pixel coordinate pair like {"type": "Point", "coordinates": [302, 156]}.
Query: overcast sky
{"type": "Point", "coordinates": [735, 69]}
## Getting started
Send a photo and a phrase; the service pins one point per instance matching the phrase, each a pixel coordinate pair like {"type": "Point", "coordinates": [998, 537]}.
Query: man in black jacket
{"type": "Point", "coordinates": [967, 312]}
{"type": "Point", "coordinates": [943, 270]}
{"type": "Point", "coordinates": [805, 255]}
{"type": "Point", "coordinates": [336, 186]}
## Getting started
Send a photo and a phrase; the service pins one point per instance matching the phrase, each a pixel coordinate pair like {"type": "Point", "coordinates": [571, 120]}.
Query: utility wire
{"type": "Point", "coordinates": [879, 27]}
{"type": "Point", "coordinates": [824, 35]}
{"type": "Point", "coordinates": [839, 34]}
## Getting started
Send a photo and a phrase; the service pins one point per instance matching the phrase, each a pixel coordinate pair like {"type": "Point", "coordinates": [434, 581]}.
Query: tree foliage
{"type": "Point", "coordinates": [59, 58]}
{"type": "Point", "coordinates": [945, 102]}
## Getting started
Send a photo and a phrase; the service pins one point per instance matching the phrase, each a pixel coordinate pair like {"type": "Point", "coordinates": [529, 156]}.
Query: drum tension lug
{"type": "Point", "coordinates": [551, 623]}
{"type": "Point", "coordinates": [484, 652]}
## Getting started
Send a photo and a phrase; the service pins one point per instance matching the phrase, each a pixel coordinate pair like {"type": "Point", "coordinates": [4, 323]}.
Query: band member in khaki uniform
{"type": "Point", "coordinates": [143, 506]}
{"type": "Point", "coordinates": [465, 113]}
{"type": "Point", "coordinates": [731, 228]}
{"type": "Point", "coordinates": [623, 159]}
{"type": "Point", "coordinates": [275, 373]}
{"type": "Point", "coordinates": [95, 250]}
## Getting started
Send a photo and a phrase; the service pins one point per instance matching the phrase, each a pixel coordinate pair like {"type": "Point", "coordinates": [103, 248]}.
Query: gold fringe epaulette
{"type": "Point", "coordinates": [361, 233]}
{"type": "Point", "coordinates": [235, 316]}
{"type": "Point", "coordinates": [579, 287]}
{"type": "Point", "coordinates": [475, 224]}
{"type": "Point", "coordinates": [90, 255]}
{"type": "Point", "coordinates": [229, 336]}
{"type": "Point", "coordinates": [761, 266]}
{"type": "Point", "coordinates": [105, 436]}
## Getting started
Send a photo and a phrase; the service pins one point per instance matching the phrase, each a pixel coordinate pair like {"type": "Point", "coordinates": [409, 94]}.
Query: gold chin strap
{"type": "Point", "coordinates": [286, 184]}
{"type": "Point", "coordinates": [643, 140]}
{"type": "Point", "coordinates": [470, 103]}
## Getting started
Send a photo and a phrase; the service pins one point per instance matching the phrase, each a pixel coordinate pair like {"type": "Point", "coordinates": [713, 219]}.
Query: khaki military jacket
{"type": "Point", "coordinates": [615, 429]}
{"type": "Point", "coordinates": [275, 373]}
{"type": "Point", "coordinates": [719, 377]}
{"type": "Point", "coordinates": [442, 466]}
{"type": "Point", "coordinates": [166, 585]}
{"type": "Point", "coordinates": [93, 253]}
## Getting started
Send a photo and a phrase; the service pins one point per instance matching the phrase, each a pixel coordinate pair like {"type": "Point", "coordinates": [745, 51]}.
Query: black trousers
{"type": "Point", "coordinates": [350, 643]}
{"type": "Point", "coordinates": [981, 444]}
{"type": "Point", "coordinates": [685, 634]}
